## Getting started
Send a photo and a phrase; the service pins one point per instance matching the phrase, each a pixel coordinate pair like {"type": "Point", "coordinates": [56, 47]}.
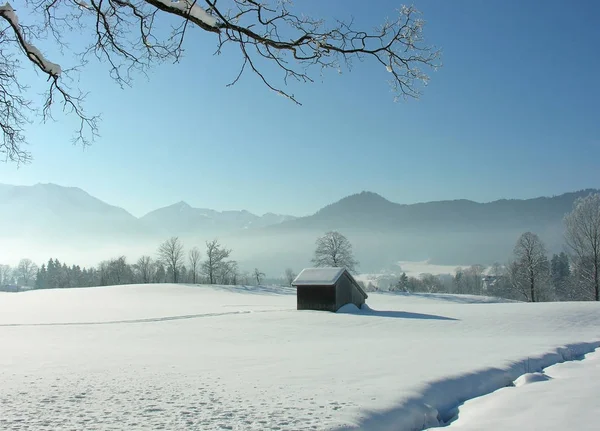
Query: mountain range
{"type": "Point", "coordinates": [181, 218]}
{"type": "Point", "coordinates": [52, 209]}
{"type": "Point", "coordinates": [46, 220]}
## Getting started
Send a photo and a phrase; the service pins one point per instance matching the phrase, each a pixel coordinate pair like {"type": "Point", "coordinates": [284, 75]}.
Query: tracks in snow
{"type": "Point", "coordinates": [144, 320]}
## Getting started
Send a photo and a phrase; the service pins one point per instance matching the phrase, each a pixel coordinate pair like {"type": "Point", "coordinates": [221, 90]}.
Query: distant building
{"type": "Point", "coordinates": [490, 281]}
{"type": "Point", "coordinates": [327, 289]}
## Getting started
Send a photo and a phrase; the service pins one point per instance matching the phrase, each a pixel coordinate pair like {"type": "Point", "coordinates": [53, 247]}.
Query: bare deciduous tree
{"type": "Point", "coordinates": [170, 253]}
{"type": "Point", "coordinates": [235, 274]}
{"type": "Point", "coordinates": [5, 272]}
{"type": "Point", "coordinates": [215, 259]}
{"type": "Point", "coordinates": [583, 238]}
{"type": "Point", "coordinates": [258, 276]}
{"type": "Point", "coordinates": [112, 272]}
{"type": "Point", "coordinates": [430, 283]}
{"type": "Point", "coordinates": [194, 258]}
{"type": "Point", "coordinates": [245, 278]}
{"type": "Point", "coordinates": [334, 249]}
{"type": "Point", "coordinates": [228, 272]}
{"type": "Point", "coordinates": [290, 276]}
{"type": "Point", "coordinates": [530, 270]}
{"type": "Point", "coordinates": [496, 270]}
{"type": "Point", "coordinates": [129, 36]}
{"type": "Point", "coordinates": [144, 269]}
{"type": "Point", "coordinates": [474, 279]}
{"type": "Point", "coordinates": [26, 271]}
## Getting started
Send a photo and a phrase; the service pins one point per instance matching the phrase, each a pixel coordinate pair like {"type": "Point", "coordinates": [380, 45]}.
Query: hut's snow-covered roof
{"type": "Point", "coordinates": [318, 276]}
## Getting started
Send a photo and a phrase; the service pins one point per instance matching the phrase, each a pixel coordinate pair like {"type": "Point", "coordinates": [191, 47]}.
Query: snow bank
{"type": "Point", "coordinates": [438, 402]}
{"type": "Point", "coordinates": [565, 397]}
{"type": "Point", "coordinates": [349, 309]}
{"type": "Point", "coordinates": [529, 378]}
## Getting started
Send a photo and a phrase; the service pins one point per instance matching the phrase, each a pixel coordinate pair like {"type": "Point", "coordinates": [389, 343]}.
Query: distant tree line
{"type": "Point", "coordinates": [170, 265]}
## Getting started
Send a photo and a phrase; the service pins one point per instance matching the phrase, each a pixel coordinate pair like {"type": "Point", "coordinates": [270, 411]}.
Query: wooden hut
{"type": "Point", "coordinates": [327, 289]}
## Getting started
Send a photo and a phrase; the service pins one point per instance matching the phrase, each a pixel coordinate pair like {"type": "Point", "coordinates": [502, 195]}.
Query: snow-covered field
{"type": "Point", "coordinates": [213, 358]}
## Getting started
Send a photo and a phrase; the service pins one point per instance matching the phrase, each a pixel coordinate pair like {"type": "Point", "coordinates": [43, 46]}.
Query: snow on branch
{"type": "Point", "coordinates": [34, 54]}
{"type": "Point", "coordinates": [189, 9]}
{"type": "Point", "coordinates": [192, 9]}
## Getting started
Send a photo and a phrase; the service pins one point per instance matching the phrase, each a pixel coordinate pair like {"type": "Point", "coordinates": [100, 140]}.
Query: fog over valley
{"type": "Point", "coordinates": [47, 220]}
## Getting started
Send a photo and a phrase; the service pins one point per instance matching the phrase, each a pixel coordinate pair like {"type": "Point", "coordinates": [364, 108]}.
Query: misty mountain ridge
{"type": "Point", "coordinates": [61, 204]}
{"type": "Point", "coordinates": [361, 208]}
{"type": "Point", "coordinates": [52, 210]}
{"type": "Point", "coordinates": [368, 210]}
{"type": "Point", "coordinates": [50, 220]}
{"type": "Point", "coordinates": [184, 218]}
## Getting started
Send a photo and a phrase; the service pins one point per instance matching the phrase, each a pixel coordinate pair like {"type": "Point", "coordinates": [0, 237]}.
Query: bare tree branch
{"type": "Point", "coordinates": [13, 106]}
{"type": "Point", "coordinates": [130, 36]}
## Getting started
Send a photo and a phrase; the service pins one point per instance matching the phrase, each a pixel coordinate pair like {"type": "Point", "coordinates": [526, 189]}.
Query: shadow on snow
{"type": "Point", "coordinates": [366, 311]}
{"type": "Point", "coordinates": [402, 315]}
{"type": "Point", "coordinates": [255, 290]}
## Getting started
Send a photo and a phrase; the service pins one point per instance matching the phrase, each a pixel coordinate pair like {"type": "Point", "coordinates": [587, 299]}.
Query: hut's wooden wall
{"type": "Point", "coordinates": [347, 293]}
{"type": "Point", "coordinates": [316, 298]}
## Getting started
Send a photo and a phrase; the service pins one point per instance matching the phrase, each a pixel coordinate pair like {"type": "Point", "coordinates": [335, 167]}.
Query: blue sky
{"type": "Point", "coordinates": [513, 112]}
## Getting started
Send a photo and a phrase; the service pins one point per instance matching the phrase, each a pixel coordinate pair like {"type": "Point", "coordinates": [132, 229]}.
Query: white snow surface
{"type": "Point", "coordinates": [563, 397]}
{"type": "Point", "coordinates": [243, 358]}
{"type": "Point", "coordinates": [36, 55]}
{"type": "Point", "coordinates": [192, 8]}
{"type": "Point", "coordinates": [8, 11]}
{"type": "Point", "coordinates": [318, 276]}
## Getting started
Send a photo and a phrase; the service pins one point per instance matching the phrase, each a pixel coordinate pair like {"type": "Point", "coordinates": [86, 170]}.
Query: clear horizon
{"type": "Point", "coordinates": [505, 117]}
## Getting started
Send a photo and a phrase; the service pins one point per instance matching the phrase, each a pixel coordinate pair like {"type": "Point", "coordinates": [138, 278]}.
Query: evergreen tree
{"type": "Point", "coordinates": [560, 273]}
{"type": "Point", "coordinates": [160, 275]}
{"type": "Point", "coordinates": [65, 277]}
{"type": "Point", "coordinates": [458, 281]}
{"type": "Point", "coordinates": [85, 278]}
{"type": "Point", "coordinates": [402, 284]}
{"type": "Point", "coordinates": [52, 274]}
{"type": "Point", "coordinates": [41, 281]}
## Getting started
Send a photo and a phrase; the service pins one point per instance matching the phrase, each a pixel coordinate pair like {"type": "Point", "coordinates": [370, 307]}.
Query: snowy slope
{"type": "Point", "coordinates": [177, 357]}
